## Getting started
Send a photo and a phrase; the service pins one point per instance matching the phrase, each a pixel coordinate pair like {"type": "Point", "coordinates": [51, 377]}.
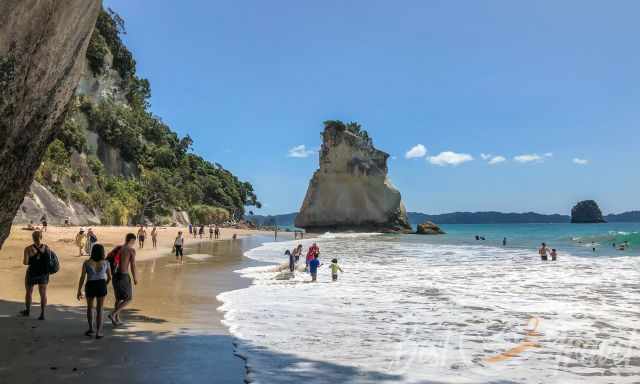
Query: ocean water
{"type": "Point", "coordinates": [447, 309]}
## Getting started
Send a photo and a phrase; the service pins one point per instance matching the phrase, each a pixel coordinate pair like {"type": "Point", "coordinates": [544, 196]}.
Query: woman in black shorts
{"type": "Point", "coordinates": [36, 256]}
{"type": "Point", "coordinates": [98, 274]}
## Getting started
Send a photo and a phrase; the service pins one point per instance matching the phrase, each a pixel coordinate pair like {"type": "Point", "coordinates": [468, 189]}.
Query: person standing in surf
{"type": "Point", "coordinates": [334, 269]}
{"type": "Point", "coordinates": [142, 234]}
{"type": "Point", "coordinates": [311, 253]}
{"type": "Point", "coordinates": [313, 267]}
{"type": "Point", "coordinates": [178, 243]}
{"type": "Point", "coordinates": [543, 252]}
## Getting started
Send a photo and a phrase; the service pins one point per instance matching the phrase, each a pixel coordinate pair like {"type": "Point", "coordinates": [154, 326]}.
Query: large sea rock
{"type": "Point", "coordinates": [351, 191]}
{"type": "Point", "coordinates": [42, 49]}
{"type": "Point", "coordinates": [586, 211]}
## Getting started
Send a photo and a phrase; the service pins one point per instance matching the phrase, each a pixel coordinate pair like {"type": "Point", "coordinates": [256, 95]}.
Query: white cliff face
{"type": "Point", "coordinates": [351, 190]}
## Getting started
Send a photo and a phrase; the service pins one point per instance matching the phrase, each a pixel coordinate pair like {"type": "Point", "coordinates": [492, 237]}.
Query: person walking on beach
{"type": "Point", "coordinates": [81, 241]}
{"type": "Point", "coordinates": [190, 229]}
{"type": "Point", "coordinates": [142, 233]}
{"type": "Point", "coordinates": [216, 232]}
{"type": "Point", "coordinates": [334, 269]}
{"type": "Point", "coordinates": [201, 232]}
{"type": "Point", "coordinates": [313, 267]}
{"type": "Point", "coordinates": [210, 232]}
{"type": "Point", "coordinates": [125, 261]}
{"type": "Point", "coordinates": [43, 220]}
{"type": "Point", "coordinates": [37, 256]}
{"type": "Point", "coordinates": [92, 239]}
{"type": "Point", "coordinates": [97, 272]}
{"type": "Point", "coordinates": [154, 237]}
{"type": "Point", "coordinates": [177, 246]}
{"type": "Point", "coordinates": [543, 251]}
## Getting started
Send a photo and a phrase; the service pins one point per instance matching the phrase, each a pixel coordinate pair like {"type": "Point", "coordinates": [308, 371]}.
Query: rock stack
{"type": "Point", "coordinates": [351, 191]}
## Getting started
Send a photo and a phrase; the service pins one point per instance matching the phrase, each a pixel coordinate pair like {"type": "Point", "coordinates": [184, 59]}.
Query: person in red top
{"type": "Point", "coordinates": [311, 254]}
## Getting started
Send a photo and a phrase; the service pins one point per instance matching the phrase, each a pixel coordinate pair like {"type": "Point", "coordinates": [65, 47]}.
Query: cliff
{"type": "Point", "coordinates": [112, 161]}
{"type": "Point", "coordinates": [351, 191]}
{"type": "Point", "coordinates": [42, 47]}
{"type": "Point", "coordinates": [586, 211]}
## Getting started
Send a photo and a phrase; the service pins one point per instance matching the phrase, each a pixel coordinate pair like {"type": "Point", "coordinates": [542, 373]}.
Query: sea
{"type": "Point", "coordinates": [446, 309]}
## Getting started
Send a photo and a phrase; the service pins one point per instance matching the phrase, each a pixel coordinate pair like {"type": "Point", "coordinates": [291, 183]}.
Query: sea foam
{"type": "Point", "coordinates": [409, 311]}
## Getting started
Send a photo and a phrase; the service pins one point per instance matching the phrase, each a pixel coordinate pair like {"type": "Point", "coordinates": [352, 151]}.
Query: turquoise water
{"type": "Point", "coordinates": [576, 239]}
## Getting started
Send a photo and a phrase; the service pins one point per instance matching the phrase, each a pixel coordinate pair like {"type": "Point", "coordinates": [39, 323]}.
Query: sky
{"type": "Point", "coordinates": [483, 105]}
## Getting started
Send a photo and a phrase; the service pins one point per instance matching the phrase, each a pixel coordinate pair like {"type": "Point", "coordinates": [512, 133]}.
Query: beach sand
{"type": "Point", "coordinates": [173, 333]}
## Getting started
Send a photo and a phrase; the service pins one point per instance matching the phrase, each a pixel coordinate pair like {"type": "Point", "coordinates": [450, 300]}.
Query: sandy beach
{"type": "Point", "coordinates": [173, 329]}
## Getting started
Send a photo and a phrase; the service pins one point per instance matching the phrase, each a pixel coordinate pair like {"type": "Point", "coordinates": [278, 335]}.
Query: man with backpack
{"type": "Point", "coordinates": [41, 262]}
{"type": "Point", "coordinates": [122, 259]}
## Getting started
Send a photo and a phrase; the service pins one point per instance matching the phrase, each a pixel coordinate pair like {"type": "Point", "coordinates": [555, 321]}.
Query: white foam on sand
{"type": "Point", "coordinates": [407, 311]}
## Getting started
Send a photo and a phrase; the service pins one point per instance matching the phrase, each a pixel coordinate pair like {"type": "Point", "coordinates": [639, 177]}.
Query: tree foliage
{"type": "Point", "coordinates": [168, 175]}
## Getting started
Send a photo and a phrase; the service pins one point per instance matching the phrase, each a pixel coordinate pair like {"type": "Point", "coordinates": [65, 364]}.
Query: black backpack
{"type": "Point", "coordinates": [53, 265]}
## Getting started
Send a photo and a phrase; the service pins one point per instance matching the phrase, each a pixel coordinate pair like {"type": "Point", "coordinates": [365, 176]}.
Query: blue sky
{"type": "Point", "coordinates": [250, 80]}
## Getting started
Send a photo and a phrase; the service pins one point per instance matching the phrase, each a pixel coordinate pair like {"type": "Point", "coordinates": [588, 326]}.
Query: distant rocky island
{"type": "Point", "coordinates": [351, 191]}
{"type": "Point", "coordinates": [416, 218]}
{"type": "Point", "coordinates": [587, 211]}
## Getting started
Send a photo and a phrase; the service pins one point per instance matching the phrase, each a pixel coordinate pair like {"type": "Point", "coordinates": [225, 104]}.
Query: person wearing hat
{"type": "Point", "coordinates": [81, 241]}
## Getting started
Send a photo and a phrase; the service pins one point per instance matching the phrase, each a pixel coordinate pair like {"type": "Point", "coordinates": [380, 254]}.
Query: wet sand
{"type": "Point", "coordinates": [173, 333]}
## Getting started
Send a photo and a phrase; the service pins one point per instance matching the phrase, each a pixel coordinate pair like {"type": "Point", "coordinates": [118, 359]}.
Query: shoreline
{"type": "Point", "coordinates": [174, 327]}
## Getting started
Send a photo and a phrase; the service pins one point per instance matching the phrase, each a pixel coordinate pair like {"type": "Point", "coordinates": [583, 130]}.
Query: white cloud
{"type": "Point", "coordinates": [416, 152]}
{"type": "Point", "coordinates": [580, 161]}
{"type": "Point", "coordinates": [449, 158]}
{"type": "Point", "coordinates": [497, 160]}
{"type": "Point", "coordinates": [548, 154]}
{"type": "Point", "coordinates": [300, 151]}
{"type": "Point", "coordinates": [485, 156]}
{"type": "Point", "coordinates": [527, 158]}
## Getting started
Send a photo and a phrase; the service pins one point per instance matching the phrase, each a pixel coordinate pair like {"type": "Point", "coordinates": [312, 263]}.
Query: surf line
{"type": "Point", "coordinates": [524, 345]}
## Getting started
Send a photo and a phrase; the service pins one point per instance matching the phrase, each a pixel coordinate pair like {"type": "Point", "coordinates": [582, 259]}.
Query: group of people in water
{"type": "Point", "coordinates": [118, 268]}
{"type": "Point", "coordinates": [312, 262]}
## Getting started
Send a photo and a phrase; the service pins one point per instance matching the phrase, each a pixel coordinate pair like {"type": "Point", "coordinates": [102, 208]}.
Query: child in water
{"type": "Point", "coordinates": [334, 269]}
{"type": "Point", "coordinates": [313, 267]}
{"type": "Point", "coordinates": [554, 254]}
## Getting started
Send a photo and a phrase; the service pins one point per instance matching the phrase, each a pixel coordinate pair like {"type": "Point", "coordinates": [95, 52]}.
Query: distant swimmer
{"type": "Point", "coordinates": [543, 251]}
{"type": "Point", "coordinates": [504, 242]}
{"type": "Point", "coordinates": [554, 254]}
{"type": "Point", "coordinates": [477, 237]}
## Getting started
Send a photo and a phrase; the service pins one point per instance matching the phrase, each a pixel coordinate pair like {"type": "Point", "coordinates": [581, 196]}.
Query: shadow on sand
{"type": "Point", "coordinates": [56, 351]}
